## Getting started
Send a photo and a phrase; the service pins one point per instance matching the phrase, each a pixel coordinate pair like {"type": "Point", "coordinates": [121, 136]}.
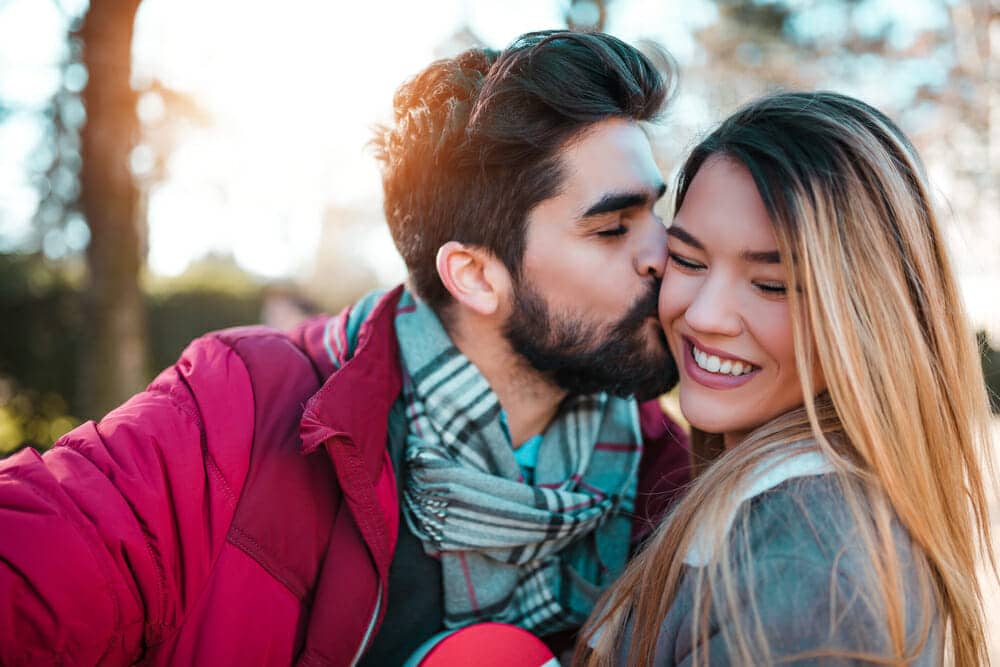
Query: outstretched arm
{"type": "Point", "coordinates": [105, 538]}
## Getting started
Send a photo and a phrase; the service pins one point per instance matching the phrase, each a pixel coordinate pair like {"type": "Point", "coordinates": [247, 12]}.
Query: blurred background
{"type": "Point", "coordinates": [169, 167]}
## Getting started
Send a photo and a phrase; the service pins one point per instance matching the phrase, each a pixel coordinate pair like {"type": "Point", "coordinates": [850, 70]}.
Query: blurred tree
{"type": "Point", "coordinates": [114, 366]}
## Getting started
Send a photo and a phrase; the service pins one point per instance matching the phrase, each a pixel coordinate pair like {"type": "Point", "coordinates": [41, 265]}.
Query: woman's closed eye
{"type": "Point", "coordinates": [685, 263]}
{"type": "Point", "coordinates": [772, 288]}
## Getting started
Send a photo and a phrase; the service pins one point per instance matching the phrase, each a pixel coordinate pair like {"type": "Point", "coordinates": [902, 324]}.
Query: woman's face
{"type": "Point", "coordinates": [724, 308]}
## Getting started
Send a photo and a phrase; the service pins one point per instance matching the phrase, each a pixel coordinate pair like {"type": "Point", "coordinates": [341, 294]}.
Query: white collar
{"type": "Point", "coordinates": [768, 474]}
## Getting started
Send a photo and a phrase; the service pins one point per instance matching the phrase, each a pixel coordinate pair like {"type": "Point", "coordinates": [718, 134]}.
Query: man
{"type": "Point", "coordinates": [432, 457]}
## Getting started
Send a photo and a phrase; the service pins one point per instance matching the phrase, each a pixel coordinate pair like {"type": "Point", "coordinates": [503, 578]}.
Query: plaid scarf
{"type": "Point", "coordinates": [536, 556]}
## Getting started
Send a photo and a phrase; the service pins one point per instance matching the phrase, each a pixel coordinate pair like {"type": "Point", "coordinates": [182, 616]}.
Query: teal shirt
{"type": "Point", "coordinates": [527, 454]}
{"type": "Point", "coordinates": [527, 457]}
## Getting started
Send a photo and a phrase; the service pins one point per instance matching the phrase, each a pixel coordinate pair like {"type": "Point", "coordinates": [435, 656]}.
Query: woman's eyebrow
{"type": "Point", "coordinates": [754, 256]}
{"type": "Point", "coordinates": [762, 256]}
{"type": "Point", "coordinates": [674, 230]}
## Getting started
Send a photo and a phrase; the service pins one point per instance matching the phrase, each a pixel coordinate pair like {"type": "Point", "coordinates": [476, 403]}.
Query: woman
{"type": "Point", "coordinates": [837, 403]}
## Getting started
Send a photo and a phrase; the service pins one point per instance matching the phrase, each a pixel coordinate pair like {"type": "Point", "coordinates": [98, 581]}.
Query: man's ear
{"type": "Point", "coordinates": [473, 276]}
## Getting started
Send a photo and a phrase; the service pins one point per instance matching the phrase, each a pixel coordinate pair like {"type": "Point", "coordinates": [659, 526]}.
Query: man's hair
{"type": "Point", "coordinates": [475, 141]}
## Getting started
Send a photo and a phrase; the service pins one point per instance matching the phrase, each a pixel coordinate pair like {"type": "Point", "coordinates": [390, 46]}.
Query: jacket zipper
{"type": "Point", "coordinates": [371, 627]}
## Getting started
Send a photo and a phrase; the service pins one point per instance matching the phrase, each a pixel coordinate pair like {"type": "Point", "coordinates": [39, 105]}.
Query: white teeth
{"type": "Point", "coordinates": [714, 364]}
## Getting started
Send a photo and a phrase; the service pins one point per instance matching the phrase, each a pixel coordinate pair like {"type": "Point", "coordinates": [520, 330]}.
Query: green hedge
{"type": "Point", "coordinates": [42, 311]}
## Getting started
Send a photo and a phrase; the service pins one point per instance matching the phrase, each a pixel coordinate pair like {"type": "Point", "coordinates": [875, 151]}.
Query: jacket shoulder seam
{"type": "Point", "coordinates": [212, 464]}
{"type": "Point", "coordinates": [249, 545]}
{"type": "Point", "coordinates": [236, 535]}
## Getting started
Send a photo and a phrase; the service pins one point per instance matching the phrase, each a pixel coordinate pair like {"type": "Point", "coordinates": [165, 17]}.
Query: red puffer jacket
{"type": "Point", "coordinates": [241, 510]}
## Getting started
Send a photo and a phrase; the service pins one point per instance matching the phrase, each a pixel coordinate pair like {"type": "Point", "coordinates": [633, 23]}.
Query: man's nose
{"type": "Point", "coordinates": [651, 257]}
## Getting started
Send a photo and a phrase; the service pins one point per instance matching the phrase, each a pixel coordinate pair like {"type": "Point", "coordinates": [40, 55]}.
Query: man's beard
{"type": "Point", "coordinates": [583, 358]}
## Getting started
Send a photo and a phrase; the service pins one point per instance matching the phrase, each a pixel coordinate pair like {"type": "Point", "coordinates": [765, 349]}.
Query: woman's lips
{"type": "Point", "coordinates": [714, 380]}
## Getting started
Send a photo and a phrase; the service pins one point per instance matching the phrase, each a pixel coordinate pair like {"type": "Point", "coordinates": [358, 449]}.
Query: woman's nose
{"type": "Point", "coordinates": [714, 309]}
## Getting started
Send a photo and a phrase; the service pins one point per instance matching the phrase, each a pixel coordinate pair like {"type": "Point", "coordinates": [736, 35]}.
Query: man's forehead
{"type": "Point", "coordinates": [610, 156]}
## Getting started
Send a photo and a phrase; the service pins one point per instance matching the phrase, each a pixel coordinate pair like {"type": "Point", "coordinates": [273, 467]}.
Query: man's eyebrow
{"type": "Point", "coordinates": [754, 256]}
{"type": "Point", "coordinates": [619, 201]}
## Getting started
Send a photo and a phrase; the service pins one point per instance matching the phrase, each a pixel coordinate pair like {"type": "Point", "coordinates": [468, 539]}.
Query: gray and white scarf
{"type": "Point", "coordinates": [536, 556]}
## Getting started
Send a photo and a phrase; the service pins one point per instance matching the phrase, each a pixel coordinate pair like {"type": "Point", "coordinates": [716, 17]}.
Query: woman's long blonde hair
{"type": "Point", "coordinates": [904, 418]}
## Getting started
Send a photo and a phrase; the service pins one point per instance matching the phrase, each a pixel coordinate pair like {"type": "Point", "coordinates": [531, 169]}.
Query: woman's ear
{"type": "Point", "coordinates": [473, 276]}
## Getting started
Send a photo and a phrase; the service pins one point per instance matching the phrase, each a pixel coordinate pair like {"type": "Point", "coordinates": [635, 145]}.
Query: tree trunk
{"type": "Point", "coordinates": [114, 359]}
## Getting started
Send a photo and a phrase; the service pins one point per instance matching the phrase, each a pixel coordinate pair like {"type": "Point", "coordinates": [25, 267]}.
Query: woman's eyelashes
{"type": "Point", "coordinates": [685, 263]}
{"type": "Point", "coordinates": [771, 288]}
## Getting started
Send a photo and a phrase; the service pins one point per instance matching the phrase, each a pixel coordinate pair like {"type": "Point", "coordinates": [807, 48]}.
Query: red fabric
{"type": "Point", "coordinates": [664, 470]}
{"type": "Point", "coordinates": [189, 527]}
{"type": "Point", "coordinates": [488, 645]}
{"type": "Point", "coordinates": [195, 525]}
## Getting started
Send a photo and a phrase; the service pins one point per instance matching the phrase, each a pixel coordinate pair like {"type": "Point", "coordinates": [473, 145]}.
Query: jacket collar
{"type": "Point", "coordinates": [355, 400]}
{"type": "Point", "coordinates": [349, 416]}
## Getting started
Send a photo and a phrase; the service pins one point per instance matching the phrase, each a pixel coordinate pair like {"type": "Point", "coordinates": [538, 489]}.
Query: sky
{"type": "Point", "coordinates": [289, 98]}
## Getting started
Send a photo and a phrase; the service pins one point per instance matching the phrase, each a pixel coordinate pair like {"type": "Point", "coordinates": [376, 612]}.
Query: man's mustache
{"type": "Point", "coordinates": [645, 307]}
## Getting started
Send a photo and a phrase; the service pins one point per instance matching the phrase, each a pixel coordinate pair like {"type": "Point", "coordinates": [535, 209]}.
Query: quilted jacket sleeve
{"type": "Point", "coordinates": [107, 538]}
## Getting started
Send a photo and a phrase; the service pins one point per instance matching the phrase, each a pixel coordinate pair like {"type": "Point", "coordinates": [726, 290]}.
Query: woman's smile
{"type": "Point", "coordinates": [715, 369]}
